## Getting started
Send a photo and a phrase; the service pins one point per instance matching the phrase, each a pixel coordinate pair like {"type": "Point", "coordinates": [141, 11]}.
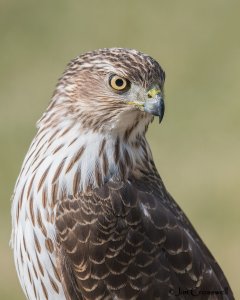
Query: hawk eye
{"type": "Point", "coordinates": [119, 83]}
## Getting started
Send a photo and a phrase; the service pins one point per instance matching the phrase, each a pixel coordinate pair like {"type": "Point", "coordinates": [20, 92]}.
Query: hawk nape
{"type": "Point", "coordinates": [91, 216]}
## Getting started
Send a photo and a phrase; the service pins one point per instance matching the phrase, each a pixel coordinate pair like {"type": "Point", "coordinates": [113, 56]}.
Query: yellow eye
{"type": "Point", "coordinates": [119, 83]}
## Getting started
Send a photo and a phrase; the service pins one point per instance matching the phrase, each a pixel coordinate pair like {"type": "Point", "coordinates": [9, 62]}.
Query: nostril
{"type": "Point", "coordinates": [149, 95]}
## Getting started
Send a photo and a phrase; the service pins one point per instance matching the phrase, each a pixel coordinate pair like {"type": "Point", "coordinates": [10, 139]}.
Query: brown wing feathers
{"type": "Point", "coordinates": [122, 242]}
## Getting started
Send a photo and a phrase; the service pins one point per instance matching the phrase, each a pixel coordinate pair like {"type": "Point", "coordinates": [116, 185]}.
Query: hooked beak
{"type": "Point", "coordinates": [155, 104]}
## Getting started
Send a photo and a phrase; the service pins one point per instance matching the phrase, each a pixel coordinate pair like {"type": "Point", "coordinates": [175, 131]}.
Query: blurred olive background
{"type": "Point", "coordinates": [196, 148]}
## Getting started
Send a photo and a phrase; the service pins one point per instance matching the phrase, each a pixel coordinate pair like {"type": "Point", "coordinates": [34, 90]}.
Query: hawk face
{"type": "Point", "coordinates": [112, 89]}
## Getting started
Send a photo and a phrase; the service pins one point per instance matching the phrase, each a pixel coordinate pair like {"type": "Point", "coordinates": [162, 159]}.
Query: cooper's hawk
{"type": "Point", "coordinates": [91, 216]}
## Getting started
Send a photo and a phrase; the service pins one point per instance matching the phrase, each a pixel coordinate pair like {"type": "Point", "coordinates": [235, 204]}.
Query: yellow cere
{"type": "Point", "coordinates": [153, 92]}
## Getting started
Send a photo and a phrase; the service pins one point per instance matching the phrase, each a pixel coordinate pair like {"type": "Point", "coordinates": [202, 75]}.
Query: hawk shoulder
{"type": "Point", "coordinates": [130, 240]}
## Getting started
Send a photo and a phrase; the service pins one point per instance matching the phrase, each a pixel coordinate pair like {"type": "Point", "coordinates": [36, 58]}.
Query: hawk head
{"type": "Point", "coordinates": [111, 89]}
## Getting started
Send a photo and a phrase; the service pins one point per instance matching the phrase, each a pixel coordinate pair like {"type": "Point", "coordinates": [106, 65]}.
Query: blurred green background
{"type": "Point", "coordinates": [196, 148]}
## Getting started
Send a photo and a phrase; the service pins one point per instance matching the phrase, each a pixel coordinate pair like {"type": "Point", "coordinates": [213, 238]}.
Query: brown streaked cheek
{"type": "Point", "coordinates": [89, 84]}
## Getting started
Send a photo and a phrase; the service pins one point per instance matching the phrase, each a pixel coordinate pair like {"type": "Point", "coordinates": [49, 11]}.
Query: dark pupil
{"type": "Point", "coordinates": [119, 82]}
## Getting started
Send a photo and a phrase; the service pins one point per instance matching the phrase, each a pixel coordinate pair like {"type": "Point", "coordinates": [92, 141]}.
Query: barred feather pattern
{"type": "Point", "coordinates": [91, 216]}
{"type": "Point", "coordinates": [61, 161]}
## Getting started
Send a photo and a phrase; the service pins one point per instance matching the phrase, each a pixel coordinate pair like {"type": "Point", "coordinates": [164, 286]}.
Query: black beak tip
{"type": "Point", "coordinates": [161, 111]}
